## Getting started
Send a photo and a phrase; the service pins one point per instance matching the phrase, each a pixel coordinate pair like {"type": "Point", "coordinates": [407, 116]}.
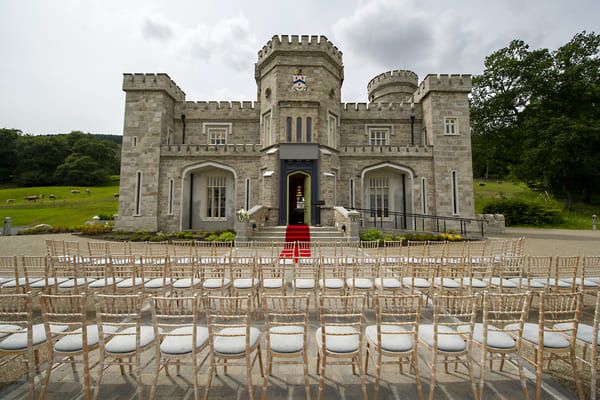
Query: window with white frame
{"type": "Point", "coordinates": [454, 184]}
{"type": "Point", "coordinates": [331, 130]}
{"type": "Point", "coordinates": [379, 196]}
{"type": "Point", "coordinates": [215, 197]}
{"type": "Point", "coordinates": [450, 126]}
{"type": "Point", "coordinates": [170, 198]}
{"type": "Point", "coordinates": [267, 128]}
{"type": "Point", "coordinates": [217, 136]}
{"type": "Point", "coordinates": [423, 195]}
{"type": "Point", "coordinates": [379, 136]}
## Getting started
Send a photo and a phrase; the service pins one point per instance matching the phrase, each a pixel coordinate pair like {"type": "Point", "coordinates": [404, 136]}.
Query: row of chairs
{"type": "Point", "coordinates": [252, 275]}
{"type": "Point", "coordinates": [179, 333]}
{"type": "Point", "coordinates": [193, 248]}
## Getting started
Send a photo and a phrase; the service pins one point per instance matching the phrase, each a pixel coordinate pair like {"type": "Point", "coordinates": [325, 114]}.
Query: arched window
{"type": "Point", "coordinates": [298, 129]}
{"type": "Point", "coordinates": [309, 129]}
{"type": "Point", "coordinates": [288, 129]}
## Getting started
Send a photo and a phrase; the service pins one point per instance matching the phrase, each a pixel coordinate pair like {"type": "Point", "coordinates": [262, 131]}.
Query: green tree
{"type": "Point", "coordinates": [8, 153]}
{"type": "Point", "coordinates": [80, 170]}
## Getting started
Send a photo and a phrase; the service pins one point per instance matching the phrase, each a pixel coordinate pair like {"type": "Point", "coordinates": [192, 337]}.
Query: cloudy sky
{"type": "Point", "coordinates": [61, 61]}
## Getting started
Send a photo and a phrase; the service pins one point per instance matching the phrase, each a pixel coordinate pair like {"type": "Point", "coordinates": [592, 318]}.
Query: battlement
{"type": "Point", "coordinates": [443, 83]}
{"type": "Point", "coordinates": [391, 110]}
{"type": "Point", "coordinates": [394, 76]}
{"type": "Point", "coordinates": [299, 43]}
{"type": "Point", "coordinates": [219, 109]}
{"type": "Point", "coordinates": [223, 105]}
{"type": "Point", "coordinates": [160, 81]}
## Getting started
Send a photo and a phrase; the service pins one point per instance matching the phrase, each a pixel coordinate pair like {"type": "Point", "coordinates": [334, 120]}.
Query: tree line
{"type": "Point", "coordinates": [77, 158]}
{"type": "Point", "coordinates": [535, 116]}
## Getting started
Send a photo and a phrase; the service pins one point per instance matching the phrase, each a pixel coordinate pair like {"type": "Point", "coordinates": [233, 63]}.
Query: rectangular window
{"type": "Point", "coordinates": [215, 197]}
{"type": "Point", "coordinates": [450, 126]}
{"type": "Point", "coordinates": [379, 197]}
{"type": "Point", "coordinates": [298, 130]}
{"type": "Point", "coordinates": [267, 128]}
{"type": "Point", "coordinates": [423, 196]}
{"type": "Point", "coordinates": [308, 129]}
{"type": "Point", "coordinates": [351, 194]}
{"type": "Point", "coordinates": [170, 198]}
{"type": "Point", "coordinates": [133, 141]}
{"type": "Point", "coordinates": [454, 178]}
{"type": "Point", "coordinates": [247, 194]}
{"type": "Point", "coordinates": [169, 136]}
{"type": "Point", "coordinates": [288, 129]}
{"type": "Point", "coordinates": [379, 136]}
{"type": "Point", "coordinates": [138, 194]}
{"type": "Point", "coordinates": [217, 136]}
{"type": "Point", "coordinates": [331, 130]}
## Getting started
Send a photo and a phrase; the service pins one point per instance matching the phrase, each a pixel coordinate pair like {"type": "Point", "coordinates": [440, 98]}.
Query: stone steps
{"type": "Point", "coordinates": [317, 234]}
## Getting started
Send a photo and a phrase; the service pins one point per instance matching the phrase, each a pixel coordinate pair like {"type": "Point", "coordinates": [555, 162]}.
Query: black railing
{"type": "Point", "coordinates": [412, 222]}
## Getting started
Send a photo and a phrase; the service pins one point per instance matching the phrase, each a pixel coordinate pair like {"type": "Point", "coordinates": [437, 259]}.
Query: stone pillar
{"type": "Point", "coordinates": [7, 229]}
{"type": "Point", "coordinates": [353, 228]}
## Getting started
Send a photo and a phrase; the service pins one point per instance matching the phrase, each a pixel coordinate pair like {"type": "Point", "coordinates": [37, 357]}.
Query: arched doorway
{"type": "Point", "coordinates": [208, 197]}
{"type": "Point", "coordinates": [298, 198]}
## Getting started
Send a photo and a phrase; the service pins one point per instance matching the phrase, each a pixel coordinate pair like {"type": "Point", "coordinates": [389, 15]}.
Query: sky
{"type": "Point", "coordinates": [61, 61]}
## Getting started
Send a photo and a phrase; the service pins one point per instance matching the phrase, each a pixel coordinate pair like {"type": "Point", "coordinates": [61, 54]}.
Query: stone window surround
{"type": "Point", "coordinates": [220, 183]}
{"type": "Point", "coordinates": [372, 128]}
{"type": "Point", "coordinates": [451, 122]}
{"type": "Point", "coordinates": [247, 191]}
{"type": "Point", "coordinates": [137, 204]}
{"type": "Point", "coordinates": [331, 135]}
{"type": "Point", "coordinates": [381, 187]}
{"type": "Point", "coordinates": [267, 122]}
{"type": "Point", "coordinates": [171, 191]}
{"type": "Point", "coordinates": [454, 195]}
{"type": "Point", "coordinates": [351, 193]}
{"type": "Point", "coordinates": [424, 205]}
{"type": "Point", "coordinates": [208, 126]}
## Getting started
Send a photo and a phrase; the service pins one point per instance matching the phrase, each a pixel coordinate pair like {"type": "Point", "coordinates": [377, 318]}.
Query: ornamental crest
{"type": "Point", "coordinates": [299, 81]}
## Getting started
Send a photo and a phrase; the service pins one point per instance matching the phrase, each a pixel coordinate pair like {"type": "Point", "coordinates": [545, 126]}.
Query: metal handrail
{"type": "Point", "coordinates": [400, 220]}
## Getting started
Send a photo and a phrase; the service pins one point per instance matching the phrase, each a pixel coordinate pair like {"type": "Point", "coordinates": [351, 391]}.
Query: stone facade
{"type": "Point", "coordinates": [298, 151]}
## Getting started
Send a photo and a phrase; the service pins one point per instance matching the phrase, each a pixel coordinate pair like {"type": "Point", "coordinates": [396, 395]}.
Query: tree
{"type": "Point", "coordinates": [8, 153]}
{"type": "Point", "coordinates": [537, 113]}
{"type": "Point", "coordinates": [81, 170]}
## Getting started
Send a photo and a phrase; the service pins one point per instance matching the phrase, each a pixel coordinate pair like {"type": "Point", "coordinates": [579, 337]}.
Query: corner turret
{"type": "Point", "coordinates": [392, 86]}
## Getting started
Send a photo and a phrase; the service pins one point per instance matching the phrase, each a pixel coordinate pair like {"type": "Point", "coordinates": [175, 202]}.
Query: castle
{"type": "Point", "coordinates": [297, 154]}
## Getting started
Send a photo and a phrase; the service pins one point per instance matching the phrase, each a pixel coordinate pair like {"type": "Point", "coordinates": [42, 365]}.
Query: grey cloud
{"type": "Point", "coordinates": [153, 28]}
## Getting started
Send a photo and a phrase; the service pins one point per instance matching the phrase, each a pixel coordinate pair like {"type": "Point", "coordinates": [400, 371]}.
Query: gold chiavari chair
{"type": "Point", "coordinates": [416, 249]}
{"type": "Point", "coordinates": [216, 276]}
{"type": "Point", "coordinates": [332, 276]}
{"type": "Point", "coordinates": [392, 252]}
{"type": "Point", "coordinates": [456, 249]}
{"type": "Point", "coordinates": [185, 274]}
{"type": "Point", "coordinates": [564, 274]}
{"type": "Point", "coordinates": [590, 275]}
{"type": "Point", "coordinates": [246, 279]}
{"type": "Point", "coordinates": [394, 336]}
{"type": "Point", "coordinates": [232, 336]}
{"type": "Point", "coordinates": [10, 274]}
{"type": "Point", "coordinates": [507, 274]}
{"type": "Point", "coordinates": [340, 335]}
{"type": "Point", "coordinates": [182, 248]}
{"type": "Point", "coordinates": [159, 249]}
{"type": "Point", "coordinates": [305, 276]}
{"type": "Point", "coordinates": [37, 274]}
{"type": "Point", "coordinates": [286, 334]}
{"type": "Point", "coordinates": [361, 275]}
{"type": "Point", "coordinates": [156, 275]}
{"type": "Point", "coordinates": [100, 275]}
{"type": "Point", "coordinates": [98, 249]}
{"type": "Point", "coordinates": [272, 276]}
{"type": "Point", "coordinates": [436, 250]}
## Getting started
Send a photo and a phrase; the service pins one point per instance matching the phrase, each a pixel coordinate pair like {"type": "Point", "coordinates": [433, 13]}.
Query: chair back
{"type": "Point", "coordinates": [509, 268]}
{"type": "Point", "coordinates": [125, 267]}
{"type": "Point", "coordinates": [98, 249]}
{"type": "Point", "coordinates": [68, 311]}
{"type": "Point", "coordinates": [214, 267]}
{"type": "Point", "coordinates": [452, 312]}
{"type": "Point", "coordinates": [9, 270]}
{"type": "Point", "coordinates": [436, 249]}
{"type": "Point", "coordinates": [169, 314]}
{"type": "Point", "coordinates": [591, 267]}
{"type": "Point", "coordinates": [118, 248]}
{"type": "Point", "coordinates": [72, 249]}
{"type": "Point", "coordinates": [501, 311]}
{"type": "Point", "coordinates": [16, 314]}
{"type": "Point", "coordinates": [282, 313]}
{"type": "Point", "coordinates": [115, 313]}
{"type": "Point", "coordinates": [138, 249]}
{"type": "Point", "coordinates": [34, 267]}
{"type": "Point", "coordinates": [563, 308]}
{"type": "Point", "coordinates": [475, 248]}
{"type": "Point", "coordinates": [225, 312]}
{"type": "Point", "coordinates": [456, 249]}
{"type": "Point", "coordinates": [398, 315]}
{"type": "Point", "coordinates": [566, 270]}
{"type": "Point", "coordinates": [341, 316]}
{"type": "Point", "coordinates": [243, 267]}
{"type": "Point", "coordinates": [182, 248]}
{"type": "Point", "coordinates": [415, 248]}
{"type": "Point", "coordinates": [158, 249]}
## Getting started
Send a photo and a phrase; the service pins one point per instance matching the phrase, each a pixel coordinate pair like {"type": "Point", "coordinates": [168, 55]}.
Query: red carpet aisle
{"type": "Point", "coordinates": [293, 234]}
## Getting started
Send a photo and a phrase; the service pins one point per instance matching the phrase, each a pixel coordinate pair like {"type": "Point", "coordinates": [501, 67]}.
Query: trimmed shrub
{"type": "Point", "coordinates": [95, 229]}
{"type": "Point", "coordinates": [226, 237]}
{"type": "Point", "coordinates": [371, 234]}
{"type": "Point", "coordinates": [520, 212]}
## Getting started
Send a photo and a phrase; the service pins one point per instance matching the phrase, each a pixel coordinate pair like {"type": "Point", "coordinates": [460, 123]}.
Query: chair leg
{"type": "Point", "coordinates": [86, 374]}
{"type": "Point", "coordinates": [368, 354]}
{"type": "Point", "coordinates": [249, 377]}
{"type": "Point", "coordinates": [580, 391]}
{"type": "Point", "coordinates": [196, 378]}
{"type": "Point", "coordinates": [100, 373]}
{"type": "Point", "coordinates": [593, 378]}
{"type": "Point", "coordinates": [415, 366]}
{"type": "Point", "coordinates": [522, 376]}
{"type": "Point", "coordinates": [306, 381]}
{"type": "Point", "coordinates": [31, 367]}
{"type": "Point", "coordinates": [471, 377]}
{"type": "Point", "coordinates": [211, 372]}
{"type": "Point", "coordinates": [321, 377]}
{"type": "Point", "coordinates": [260, 362]}
{"type": "Point", "coordinates": [432, 379]}
{"type": "Point", "coordinates": [482, 372]}
{"type": "Point", "coordinates": [138, 378]}
{"type": "Point", "coordinates": [363, 385]}
{"type": "Point", "coordinates": [46, 375]}
{"type": "Point", "coordinates": [155, 379]}
{"type": "Point", "coordinates": [377, 375]}
{"type": "Point", "coordinates": [318, 369]}
{"type": "Point", "coordinates": [538, 374]}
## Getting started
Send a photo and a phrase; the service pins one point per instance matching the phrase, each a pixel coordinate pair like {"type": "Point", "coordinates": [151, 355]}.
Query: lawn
{"type": "Point", "coordinates": [578, 218]}
{"type": "Point", "coordinates": [67, 210]}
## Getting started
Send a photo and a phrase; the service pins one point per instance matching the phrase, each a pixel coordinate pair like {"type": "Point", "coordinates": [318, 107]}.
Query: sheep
{"type": "Point", "coordinates": [52, 197]}
{"type": "Point", "coordinates": [116, 196]}
{"type": "Point", "coordinates": [8, 201]}
{"type": "Point", "coordinates": [32, 198]}
{"type": "Point", "coordinates": [88, 191]}
{"type": "Point", "coordinates": [74, 191]}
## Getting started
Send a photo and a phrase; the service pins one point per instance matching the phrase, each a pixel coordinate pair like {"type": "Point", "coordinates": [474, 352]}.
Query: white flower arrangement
{"type": "Point", "coordinates": [242, 215]}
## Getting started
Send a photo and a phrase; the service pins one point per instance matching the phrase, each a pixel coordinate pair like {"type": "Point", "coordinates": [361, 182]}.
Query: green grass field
{"type": "Point", "coordinates": [68, 210]}
{"type": "Point", "coordinates": [578, 218]}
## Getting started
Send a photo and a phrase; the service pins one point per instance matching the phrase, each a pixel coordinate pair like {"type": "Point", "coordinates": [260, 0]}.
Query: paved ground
{"type": "Point", "coordinates": [287, 382]}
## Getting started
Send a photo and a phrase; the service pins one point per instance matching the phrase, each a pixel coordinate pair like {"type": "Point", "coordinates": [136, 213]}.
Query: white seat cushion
{"type": "Point", "coordinates": [553, 340]}
{"type": "Point", "coordinates": [7, 329]}
{"type": "Point", "coordinates": [235, 344]}
{"type": "Point", "coordinates": [560, 283]}
{"type": "Point", "coordinates": [5, 279]}
{"type": "Point", "coordinates": [331, 283]}
{"type": "Point", "coordinates": [585, 332]}
{"type": "Point", "coordinates": [496, 339]}
{"type": "Point", "coordinates": [507, 283]}
{"type": "Point", "coordinates": [290, 342]}
{"type": "Point", "coordinates": [130, 282]}
{"type": "Point", "coordinates": [74, 343]}
{"type": "Point", "coordinates": [157, 283]}
{"type": "Point", "coordinates": [214, 283]}
{"type": "Point", "coordinates": [446, 282]}
{"type": "Point", "coordinates": [71, 283]}
{"type": "Point", "coordinates": [103, 282]}
{"type": "Point", "coordinates": [13, 282]}
{"type": "Point", "coordinates": [391, 341]}
{"type": "Point", "coordinates": [183, 344]}
{"type": "Point", "coordinates": [51, 282]}
{"type": "Point", "coordinates": [359, 283]}
{"type": "Point", "coordinates": [387, 283]}
{"type": "Point", "coordinates": [18, 340]}
{"type": "Point", "coordinates": [245, 283]}
{"type": "Point", "coordinates": [446, 342]}
{"type": "Point", "coordinates": [474, 283]}
{"type": "Point", "coordinates": [272, 283]}
{"type": "Point", "coordinates": [418, 282]}
{"type": "Point", "coordinates": [346, 343]}
{"type": "Point", "coordinates": [578, 281]}
{"type": "Point", "coordinates": [126, 343]}
{"type": "Point", "coordinates": [186, 283]}
{"type": "Point", "coordinates": [303, 283]}
{"type": "Point", "coordinates": [533, 283]}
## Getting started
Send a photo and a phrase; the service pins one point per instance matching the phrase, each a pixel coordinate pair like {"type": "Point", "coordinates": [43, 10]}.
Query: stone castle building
{"type": "Point", "coordinates": [297, 154]}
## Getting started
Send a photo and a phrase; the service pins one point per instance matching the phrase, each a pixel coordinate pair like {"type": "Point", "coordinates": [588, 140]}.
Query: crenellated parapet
{"type": "Point", "coordinates": [392, 86]}
{"type": "Point", "coordinates": [219, 109]}
{"type": "Point", "coordinates": [443, 83]}
{"type": "Point", "coordinates": [380, 110]}
{"type": "Point", "coordinates": [299, 43]}
{"type": "Point", "coordinates": [153, 82]}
